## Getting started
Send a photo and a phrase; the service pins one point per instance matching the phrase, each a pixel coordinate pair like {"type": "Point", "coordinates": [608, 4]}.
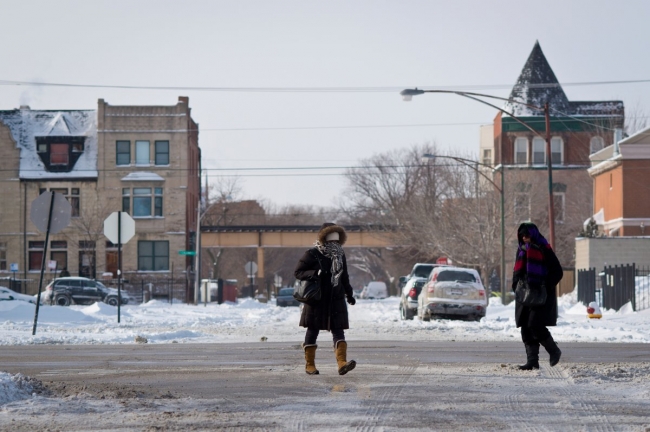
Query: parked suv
{"type": "Point", "coordinates": [453, 292]}
{"type": "Point", "coordinates": [79, 290]}
{"type": "Point", "coordinates": [408, 305]}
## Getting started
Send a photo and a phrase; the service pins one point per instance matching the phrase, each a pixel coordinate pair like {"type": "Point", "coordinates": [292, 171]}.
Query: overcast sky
{"type": "Point", "coordinates": [266, 44]}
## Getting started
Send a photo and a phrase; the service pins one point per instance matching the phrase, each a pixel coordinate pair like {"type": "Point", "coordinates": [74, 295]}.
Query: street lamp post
{"type": "Point", "coordinates": [469, 163]}
{"type": "Point", "coordinates": [407, 95]}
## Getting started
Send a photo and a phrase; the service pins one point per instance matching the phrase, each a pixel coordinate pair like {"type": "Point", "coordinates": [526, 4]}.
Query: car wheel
{"type": "Point", "coordinates": [112, 301]}
{"type": "Point", "coordinates": [402, 312]}
{"type": "Point", "coordinates": [410, 314]}
{"type": "Point", "coordinates": [62, 300]}
{"type": "Point", "coordinates": [426, 316]}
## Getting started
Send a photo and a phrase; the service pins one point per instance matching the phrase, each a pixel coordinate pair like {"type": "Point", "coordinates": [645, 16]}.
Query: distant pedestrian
{"type": "Point", "coordinates": [327, 262]}
{"type": "Point", "coordinates": [64, 272]}
{"type": "Point", "coordinates": [537, 264]}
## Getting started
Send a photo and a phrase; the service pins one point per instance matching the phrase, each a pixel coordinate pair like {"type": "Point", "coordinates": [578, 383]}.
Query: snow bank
{"type": "Point", "coordinates": [252, 321]}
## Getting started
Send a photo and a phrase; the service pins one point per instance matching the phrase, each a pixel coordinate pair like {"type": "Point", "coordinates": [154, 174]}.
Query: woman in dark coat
{"type": "Point", "coordinates": [537, 264]}
{"type": "Point", "coordinates": [326, 261]}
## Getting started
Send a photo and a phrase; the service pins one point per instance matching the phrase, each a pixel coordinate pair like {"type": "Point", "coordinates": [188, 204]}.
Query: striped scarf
{"type": "Point", "coordinates": [530, 257]}
{"type": "Point", "coordinates": [333, 251]}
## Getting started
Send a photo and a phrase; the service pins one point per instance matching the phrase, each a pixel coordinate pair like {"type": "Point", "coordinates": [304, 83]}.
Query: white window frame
{"type": "Point", "coordinates": [537, 142]}
{"type": "Point", "coordinates": [556, 140]}
{"type": "Point", "coordinates": [596, 141]}
{"type": "Point", "coordinates": [518, 143]}
{"type": "Point", "coordinates": [142, 147]}
{"type": "Point", "coordinates": [487, 157]}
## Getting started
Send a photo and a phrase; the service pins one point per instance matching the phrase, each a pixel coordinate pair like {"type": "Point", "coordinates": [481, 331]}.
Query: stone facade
{"type": "Point", "coordinates": [156, 180]}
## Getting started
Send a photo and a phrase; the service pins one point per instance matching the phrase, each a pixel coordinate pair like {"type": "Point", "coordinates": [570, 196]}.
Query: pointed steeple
{"type": "Point", "coordinates": [537, 85]}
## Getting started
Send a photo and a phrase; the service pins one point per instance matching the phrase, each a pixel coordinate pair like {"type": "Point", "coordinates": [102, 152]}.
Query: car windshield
{"type": "Point", "coordinates": [455, 275]}
{"type": "Point", "coordinates": [101, 286]}
{"type": "Point", "coordinates": [286, 292]}
{"type": "Point", "coordinates": [423, 271]}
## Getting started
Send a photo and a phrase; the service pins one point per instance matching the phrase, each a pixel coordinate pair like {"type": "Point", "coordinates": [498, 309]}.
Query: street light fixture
{"type": "Point", "coordinates": [407, 95]}
{"type": "Point", "coordinates": [469, 163]}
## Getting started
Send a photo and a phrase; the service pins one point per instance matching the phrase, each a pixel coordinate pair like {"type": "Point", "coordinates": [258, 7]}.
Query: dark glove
{"type": "Point", "coordinates": [351, 300]}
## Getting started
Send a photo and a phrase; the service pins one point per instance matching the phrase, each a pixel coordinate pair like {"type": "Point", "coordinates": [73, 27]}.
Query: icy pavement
{"type": "Point", "coordinates": [446, 397]}
{"type": "Point", "coordinates": [249, 321]}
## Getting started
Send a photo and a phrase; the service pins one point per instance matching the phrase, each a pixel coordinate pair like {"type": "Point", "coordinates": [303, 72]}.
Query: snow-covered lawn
{"type": "Point", "coordinates": [249, 321]}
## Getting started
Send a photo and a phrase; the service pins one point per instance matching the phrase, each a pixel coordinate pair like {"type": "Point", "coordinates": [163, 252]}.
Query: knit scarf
{"type": "Point", "coordinates": [530, 258]}
{"type": "Point", "coordinates": [333, 251]}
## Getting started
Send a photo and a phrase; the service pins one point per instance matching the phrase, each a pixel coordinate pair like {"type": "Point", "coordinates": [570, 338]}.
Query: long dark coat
{"type": "Point", "coordinates": [546, 315]}
{"type": "Point", "coordinates": [332, 311]}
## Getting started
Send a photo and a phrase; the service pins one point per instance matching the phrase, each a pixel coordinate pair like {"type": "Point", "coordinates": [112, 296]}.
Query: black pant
{"type": "Point", "coordinates": [534, 335]}
{"type": "Point", "coordinates": [312, 335]}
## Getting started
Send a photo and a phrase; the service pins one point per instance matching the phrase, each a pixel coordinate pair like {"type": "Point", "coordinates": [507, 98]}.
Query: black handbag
{"type": "Point", "coordinates": [530, 296]}
{"type": "Point", "coordinates": [309, 291]}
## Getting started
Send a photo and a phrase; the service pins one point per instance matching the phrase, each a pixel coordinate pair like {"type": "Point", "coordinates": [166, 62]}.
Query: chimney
{"type": "Point", "coordinates": [24, 107]}
{"type": "Point", "coordinates": [184, 100]}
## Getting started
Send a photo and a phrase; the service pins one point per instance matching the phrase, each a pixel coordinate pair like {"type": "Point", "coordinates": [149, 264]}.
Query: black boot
{"type": "Point", "coordinates": [553, 350]}
{"type": "Point", "coordinates": [532, 357]}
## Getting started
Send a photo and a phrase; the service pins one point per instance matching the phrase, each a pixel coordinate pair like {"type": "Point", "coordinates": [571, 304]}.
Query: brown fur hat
{"type": "Point", "coordinates": [329, 227]}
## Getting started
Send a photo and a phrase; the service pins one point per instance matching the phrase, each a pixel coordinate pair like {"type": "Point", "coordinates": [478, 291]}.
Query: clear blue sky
{"type": "Point", "coordinates": [289, 44]}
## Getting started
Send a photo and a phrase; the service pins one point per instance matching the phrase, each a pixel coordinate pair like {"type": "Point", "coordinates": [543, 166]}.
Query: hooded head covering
{"type": "Point", "coordinates": [332, 249]}
{"type": "Point", "coordinates": [530, 257]}
{"type": "Point", "coordinates": [328, 228]}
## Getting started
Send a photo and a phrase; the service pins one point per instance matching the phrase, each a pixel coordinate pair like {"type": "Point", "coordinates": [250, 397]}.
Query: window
{"type": "Point", "coordinates": [153, 255]}
{"type": "Point", "coordinates": [141, 201]}
{"type": "Point", "coordinates": [487, 156]}
{"type": "Point", "coordinates": [126, 200]}
{"type": "Point", "coordinates": [36, 254]}
{"type": "Point", "coordinates": [59, 154]}
{"type": "Point", "coordinates": [596, 144]}
{"type": "Point", "coordinates": [539, 151]}
{"type": "Point", "coordinates": [522, 207]}
{"type": "Point", "coordinates": [162, 153]}
{"type": "Point", "coordinates": [558, 206]}
{"type": "Point", "coordinates": [59, 253]}
{"type": "Point", "coordinates": [72, 197]}
{"type": "Point", "coordinates": [521, 151]}
{"type": "Point", "coordinates": [556, 151]}
{"type": "Point", "coordinates": [142, 153]}
{"type": "Point", "coordinates": [123, 155]}
{"type": "Point", "coordinates": [145, 204]}
{"type": "Point", "coordinates": [3, 256]}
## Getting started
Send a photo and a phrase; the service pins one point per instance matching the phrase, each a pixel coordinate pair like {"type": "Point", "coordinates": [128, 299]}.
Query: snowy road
{"type": "Point", "coordinates": [262, 386]}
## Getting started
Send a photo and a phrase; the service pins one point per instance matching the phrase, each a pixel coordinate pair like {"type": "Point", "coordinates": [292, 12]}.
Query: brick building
{"type": "Point", "coordinates": [578, 129]}
{"type": "Point", "coordinates": [144, 160]}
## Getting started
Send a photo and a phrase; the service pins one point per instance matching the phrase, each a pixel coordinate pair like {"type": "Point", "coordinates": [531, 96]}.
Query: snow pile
{"type": "Point", "coordinates": [252, 321]}
{"type": "Point", "coordinates": [17, 387]}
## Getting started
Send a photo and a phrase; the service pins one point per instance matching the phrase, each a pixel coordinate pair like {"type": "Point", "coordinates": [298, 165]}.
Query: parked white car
{"type": "Point", "coordinates": [374, 290]}
{"type": "Point", "coordinates": [7, 294]}
{"type": "Point", "coordinates": [453, 292]}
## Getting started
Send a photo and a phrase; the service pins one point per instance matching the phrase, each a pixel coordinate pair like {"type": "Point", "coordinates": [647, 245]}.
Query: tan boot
{"type": "Point", "coordinates": [310, 359]}
{"type": "Point", "coordinates": [341, 354]}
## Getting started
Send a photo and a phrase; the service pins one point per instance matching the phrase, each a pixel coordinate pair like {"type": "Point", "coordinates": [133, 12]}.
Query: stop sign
{"type": "Point", "coordinates": [127, 229]}
{"type": "Point", "coordinates": [40, 212]}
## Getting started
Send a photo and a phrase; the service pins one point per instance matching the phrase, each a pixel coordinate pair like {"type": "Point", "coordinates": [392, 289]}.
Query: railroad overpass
{"type": "Point", "coordinates": [288, 236]}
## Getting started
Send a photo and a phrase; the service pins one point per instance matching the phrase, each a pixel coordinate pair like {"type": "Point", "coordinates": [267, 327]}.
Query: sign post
{"type": "Point", "coordinates": [51, 213]}
{"type": "Point", "coordinates": [14, 268]}
{"type": "Point", "coordinates": [119, 228]}
{"type": "Point", "coordinates": [251, 268]}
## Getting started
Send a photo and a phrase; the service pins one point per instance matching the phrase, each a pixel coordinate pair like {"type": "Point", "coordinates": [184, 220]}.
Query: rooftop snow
{"type": "Point", "coordinates": [143, 176]}
{"type": "Point", "coordinates": [537, 84]}
{"type": "Point", "coordinates": [25, 125]}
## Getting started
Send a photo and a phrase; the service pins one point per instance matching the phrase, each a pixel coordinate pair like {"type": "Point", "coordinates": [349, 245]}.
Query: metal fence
{"type": "Point", "coordinates": [139, 289]}
{"type": "Point", "coordinates": [615, 286]}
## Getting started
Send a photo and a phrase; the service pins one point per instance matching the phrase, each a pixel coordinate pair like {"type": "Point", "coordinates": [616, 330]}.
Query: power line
{"type": "Point", "coordinates": [316, 89]}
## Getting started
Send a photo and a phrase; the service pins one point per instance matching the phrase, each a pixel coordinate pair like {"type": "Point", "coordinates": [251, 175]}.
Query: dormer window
{"type": "Point", "coordinates": [59, 154]}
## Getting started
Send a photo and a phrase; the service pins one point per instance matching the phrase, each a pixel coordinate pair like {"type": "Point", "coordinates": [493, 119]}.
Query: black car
{"type": "Point", "coordinates": [79, 290]}
{"type": "Point", "coordinates": [285, 298]}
